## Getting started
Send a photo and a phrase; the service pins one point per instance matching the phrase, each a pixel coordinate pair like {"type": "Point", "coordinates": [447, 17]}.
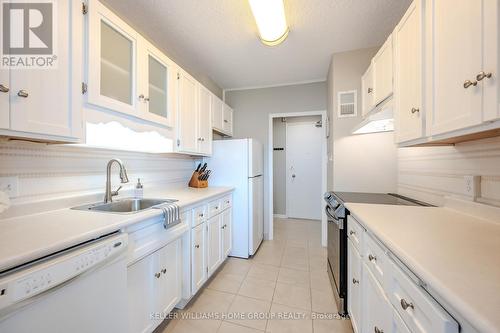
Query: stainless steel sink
{"type": "Point", "coordinates": [125, 206]}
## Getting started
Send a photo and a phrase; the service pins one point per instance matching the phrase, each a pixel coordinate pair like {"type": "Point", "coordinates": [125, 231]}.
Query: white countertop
{"type": "Point", "coordinates": [456, 255]}
{"type": "Point", "coordinates": [29, 237]}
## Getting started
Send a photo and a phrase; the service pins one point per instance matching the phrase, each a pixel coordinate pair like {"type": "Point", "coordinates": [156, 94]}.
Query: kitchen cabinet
{"type": "Point", "coordinates": [226, 223]}
{"type": "Point", "coordinates": [377, 311]}
{"type": "Point", "coordinates": [354, 277]}
{"type": "Point", "coordinates": [157, 85]}
{"type": "Point", "coordinates": [204, 121]}
{"type": "Point", "coordinates": [408, 72]}
{"type": "Point", "coordinates": [227, 120]}
{"type": "Point", "coordinates": [217, 114]}
{"type": "Point", "coordinates": [459, 42]}
{"type": "Point", "coordinates": [154, 287]}
{"type": "Point", "coordinates": [187, 133]}
{"type": "Point", "coordinates": [214, 229]}
{"type": "Point", "coordinates": [367, 91]}
{"type": "Point", "coordinates": [198, 257]}
{"type": "Point", "coordinates": [382, 64]}
{"type": "Point", "coordinates": [45, 104]}
{"type": "Point", "coordinates": [112, 61]}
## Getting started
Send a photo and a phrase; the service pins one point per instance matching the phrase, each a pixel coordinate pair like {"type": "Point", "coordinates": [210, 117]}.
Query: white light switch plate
{"type": "Point", "coordinates": [10, 186]}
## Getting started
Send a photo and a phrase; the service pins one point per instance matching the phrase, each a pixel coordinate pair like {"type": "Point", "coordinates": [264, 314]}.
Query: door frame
{"type": "Point", "coordinates": [324, 164]}
{"type": "Point", "coordinates": [287, 165]}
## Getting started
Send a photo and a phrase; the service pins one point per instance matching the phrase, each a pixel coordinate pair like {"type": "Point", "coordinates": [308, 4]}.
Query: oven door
{"type": "Point", "coordinates": [337, 258]}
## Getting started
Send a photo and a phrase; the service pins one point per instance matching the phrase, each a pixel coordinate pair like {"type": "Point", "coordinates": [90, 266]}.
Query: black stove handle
{"type": "Point", "coordinates": [333, 218]}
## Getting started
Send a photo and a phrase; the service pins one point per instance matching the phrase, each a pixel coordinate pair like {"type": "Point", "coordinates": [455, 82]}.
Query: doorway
{"type": "Point", "coordinates": [298, 160]}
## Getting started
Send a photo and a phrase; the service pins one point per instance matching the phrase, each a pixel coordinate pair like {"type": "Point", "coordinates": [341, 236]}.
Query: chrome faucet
{"type": "Point", "coordinates": [108, 196]}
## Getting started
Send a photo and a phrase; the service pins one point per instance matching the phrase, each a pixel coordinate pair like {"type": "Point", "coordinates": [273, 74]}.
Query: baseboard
{"type": "Point", "coordinates": [280, 216]}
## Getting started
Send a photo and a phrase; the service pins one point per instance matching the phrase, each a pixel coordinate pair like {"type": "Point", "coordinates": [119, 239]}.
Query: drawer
{"type": "Point", "coordinates": [355, 233]}
{"type": "Point", "coordinates": [375, 258]}
{"type": "Point", "coordinates": [227, 202]}
{"type": "Point", "coordinates": [417, 309]}
{"type": "Point", "coordinates": [214, 207]}
{"type": "Point", "coordinates": [200, 214]}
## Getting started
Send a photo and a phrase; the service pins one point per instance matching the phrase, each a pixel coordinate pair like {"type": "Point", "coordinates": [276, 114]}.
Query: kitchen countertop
{"type": "Point", "coordinates": [456, 255]}
{"type": "Point", "coordinates": [29, 237]}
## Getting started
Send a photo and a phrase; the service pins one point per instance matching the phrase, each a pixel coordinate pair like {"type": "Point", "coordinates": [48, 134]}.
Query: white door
{"type": "Point", "coordinates": [198, 267]}
{"type": "Point", "coordinates": [187, 124]}
{"type": "Point", "coordinates": [214, 243]}
{"type": "Point", "coordinates": [4, 98]}
{"type": "Point", "coordinates": [226, 232]}
{"type": "Point", "coordinates": [408, 74]}
{"type": "Point", "coordinates": [169, 292]}
{"type": "Point", "coordinates": [383, 72]}
{"type": "Point", "coordinates": [303, 160]}
{"type": "Point", "coordinates": [227, 120]}
{"type": "Point", "coordinates": [455, 49]}
{"type": "Point", "coordinates": [41, 100]}
{"type": "Point", "coordinates": [377, 312]}
{"type": "Point", "coordinates": [204, 121]}
{"type": "Point", "coordinates": [354, 287]}
{"type": "Point", "coordinates": [367, 90]}
{"type": "Point", "coordinates": [217, 113]}
{"type": "Point", "coordinates": [256, 218]}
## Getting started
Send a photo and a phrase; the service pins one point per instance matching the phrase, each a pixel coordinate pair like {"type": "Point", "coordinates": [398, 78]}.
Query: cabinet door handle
{"type": "Point", "coordinates": [370, 90]}
{"type": "Point", "coordinates": [415, 110]}
{"type": "Point", "coordinates": [226, 121]}
{"type": "Point", "coordinates": [482, 75]}
{"type": "Point", "coordinates": [352, 232]}
{"type": "Point", "coordinates": [164, 271]}
{"type": "Point", "coordinates": [354, 281]}
{"type": "Point", "coordinates": [157, 275]}
{"type": "Point", "coordinates": [22, 93]}
{"type": "Point", "coordinates": [4, 89]}
{"type": "Point", "coordinates": [197, 246]}
{"type": "Point", "coordinates": [405, 305]}
{"type": "Point", "coordinates": [377, 330]}
{"type": "Point", "coordinates": [372, 257]}
{"type": "Point", "coordinates": [469, 83]}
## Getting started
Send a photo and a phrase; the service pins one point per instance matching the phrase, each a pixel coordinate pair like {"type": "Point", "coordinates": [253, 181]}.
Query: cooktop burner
{"type": "Point", "coordinates": [377, 198]}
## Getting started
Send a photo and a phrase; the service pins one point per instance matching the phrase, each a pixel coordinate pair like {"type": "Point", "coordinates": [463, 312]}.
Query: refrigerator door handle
{"type": "Point", "coordinates": [255, 176]}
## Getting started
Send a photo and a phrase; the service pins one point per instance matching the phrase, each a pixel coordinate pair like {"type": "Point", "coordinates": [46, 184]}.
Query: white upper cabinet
{"type": "Point", "coordinates": [4, 99]}
{"type": "Point", "coordinates": [383, 72]}
{"type": "Point", "coordinates": [112, 61]}
{"type": "Point", "coordinates": [227, 120]}
{"type": "Point", "coordinates": [187, 131]}
{"type": "Point", "coordinates": [45, 103]}
{"type": "Point", "coordinates": [204, 121]}
{"type": "Point", "coordinates": [367, 91]}
{"type": "Point", "coordinates": [157, 85]}
{"type": "Point", "coordinates": [217, 114]}
{"type": "Point", "coordinates": [408, 72]}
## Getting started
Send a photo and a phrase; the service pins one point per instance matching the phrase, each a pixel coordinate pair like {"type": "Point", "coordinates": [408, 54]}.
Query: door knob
{"type": "Point", "coordinates": [482, 75]}
{"type": "Point", "coordinates": [469, 83]}
{"type": "Point", "coordinates": [4, 89]}
{"type": "Point", "coordinates": [22, 93]}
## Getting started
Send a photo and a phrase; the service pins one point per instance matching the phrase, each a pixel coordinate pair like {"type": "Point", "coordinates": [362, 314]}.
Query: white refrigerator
{"type": "Point", "coordinates": [239, 164]}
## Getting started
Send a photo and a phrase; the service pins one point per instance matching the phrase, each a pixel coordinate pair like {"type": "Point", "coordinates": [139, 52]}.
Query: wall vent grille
{"type": "Point", "coordinates": [347, 104]}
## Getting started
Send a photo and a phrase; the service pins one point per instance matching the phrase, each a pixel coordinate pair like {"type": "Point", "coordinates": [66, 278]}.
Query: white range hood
{"type": "Point", "coordinates": [381, 119]}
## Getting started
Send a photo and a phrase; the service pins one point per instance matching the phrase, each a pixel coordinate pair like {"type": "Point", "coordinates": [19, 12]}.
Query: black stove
{"type": "Point", "coordinates": [337, 234]}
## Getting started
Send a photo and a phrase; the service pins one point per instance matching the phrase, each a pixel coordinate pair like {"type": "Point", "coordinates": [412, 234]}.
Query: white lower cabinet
{"type": "Point", "coordinates": [354, 277]}
{"type": "Point", "coordinates": [375, 306]}
{"type": "Point", "coordinates": [227, 218]}
{"type": "Point", "coordinates": [214, 243]}
{"type": "Point", "coordinates": [198, 266]}
{"type": "Point", "coordinates": [154, 287]}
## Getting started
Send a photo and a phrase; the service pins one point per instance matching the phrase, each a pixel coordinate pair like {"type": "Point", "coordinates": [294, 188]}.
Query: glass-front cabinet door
{"type": "Point", "coordinates": [112, 54]}
{"type": "Point", "coordinates": [157, 85]}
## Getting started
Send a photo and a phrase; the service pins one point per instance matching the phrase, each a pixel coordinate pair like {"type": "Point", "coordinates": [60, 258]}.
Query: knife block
{"type": "Point", "coordinates": [196, 183]}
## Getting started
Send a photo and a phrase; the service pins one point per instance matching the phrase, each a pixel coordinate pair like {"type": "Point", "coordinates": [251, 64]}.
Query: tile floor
{"type": "Point", "coordinates": [283, 288]}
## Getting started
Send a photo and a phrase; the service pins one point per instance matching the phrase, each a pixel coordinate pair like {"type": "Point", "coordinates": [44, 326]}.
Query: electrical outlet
{"type": "Point", "coordinates": [9, 185]}
{"type": "Point", "coordinates": [472, 186]}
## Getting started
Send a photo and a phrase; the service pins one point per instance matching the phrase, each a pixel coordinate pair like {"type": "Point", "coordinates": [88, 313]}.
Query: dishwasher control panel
{"type": "Point", "coordinates": [58, 270]}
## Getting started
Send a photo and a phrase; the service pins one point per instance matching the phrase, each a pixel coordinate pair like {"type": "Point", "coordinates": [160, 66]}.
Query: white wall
{"type": "Point", "coordinates": [361, 163]}
{"type": "Point", "coordinates": [252, 109]}
{"type": "Point", "coordinates": [432, 173]}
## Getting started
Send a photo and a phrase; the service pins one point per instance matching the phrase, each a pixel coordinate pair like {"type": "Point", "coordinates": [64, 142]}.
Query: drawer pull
{"type": "Point", "coordinates": [200, 215]}
{"type": "Point", "coordinates": [352, 232]}
{"type": "Point", "coordinates": [216, 207]}
{"type": "Point", "coordinates": [482, 75]}
{"type": "Point", "coordinates": [164, 271]}
{"type": "Point", "coordinates": [227, 202]}
{"type": "Point", "coordinates": [354, 281]}
{"type": "Point", "coordinates": [4, 89]}
{"type": "Point", "coordinates": [378, 330]}
{"type": "Point", "coordinates": [157, 275]}
{"type": "Point", "coordinates": [469, 83]}
{"type": "Point", "coordinates": [197, 246]}
{"type": "Point", "coordinates": [372, 257]}
{"type": "Point", "coordinates": [405, 305]}
{"type": "Point", "coordinates": [22, 93]}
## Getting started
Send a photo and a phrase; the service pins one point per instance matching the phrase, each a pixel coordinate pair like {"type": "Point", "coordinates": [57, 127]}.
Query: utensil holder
{"type": "Point", "coordinates": [196, 183]}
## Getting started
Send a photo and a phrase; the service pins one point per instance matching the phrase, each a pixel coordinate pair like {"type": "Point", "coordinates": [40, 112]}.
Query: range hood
{"type": "Point", "coordinates": [381, 119]}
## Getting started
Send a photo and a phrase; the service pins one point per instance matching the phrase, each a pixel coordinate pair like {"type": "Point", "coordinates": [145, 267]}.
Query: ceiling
{"type": "Point", "coordinates": [219, 37]}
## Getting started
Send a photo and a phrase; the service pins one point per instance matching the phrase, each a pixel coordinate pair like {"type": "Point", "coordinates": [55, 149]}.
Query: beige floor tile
{"type": "Point", "coordinates": [294, 296]}
{"type": "Point", "coordinates": [192, 326]}
{"type": "Point", "coordinates": [257, 288]}
{"type": "Point", "coordinates": [317, 262]}
{"type": "Point", "coordinates": [294, 276]}
{"type": "Point", "coordinates": [302, 243]}
{"type": "Point", "coordinates": [320, 280]}
{"type": "Point", "coordinates": [263, 272]}
{"type": "Point", "coordinates": [286, 319]}
{"type": "Point", "coordinates": [323, 302]}
{"type": "Point", "coordinates": [332, 326]}
{"type": "Point", "coordinates": [273, 259]}
{"type": "Point", "coordinates": [211, 301]}
{"type": "Point", "coordinates": [295, 262]}
{"type": "Point", "coordinates": [247, 307]}
{"type": "Point", "coordinates": [227, 327]}
{"type": "Point", "coordinates": [229, 283]}
{"type": "Point", "coordinates": [236, 266]}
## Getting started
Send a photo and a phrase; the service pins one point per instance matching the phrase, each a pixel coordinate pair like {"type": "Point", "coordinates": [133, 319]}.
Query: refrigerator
{"type": "Point", "coordinates": [239, 164]}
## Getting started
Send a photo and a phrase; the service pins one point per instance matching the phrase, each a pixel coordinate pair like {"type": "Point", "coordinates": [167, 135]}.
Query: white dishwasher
{"type": "Point", "coordinates": [79, 290]}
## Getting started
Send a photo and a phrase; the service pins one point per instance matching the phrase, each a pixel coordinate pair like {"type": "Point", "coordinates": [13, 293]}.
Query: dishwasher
{"type": "Point", "coordinates": [80, 290]}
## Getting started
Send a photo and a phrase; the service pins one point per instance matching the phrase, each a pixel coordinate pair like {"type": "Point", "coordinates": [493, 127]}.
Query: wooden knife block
{"type": "Point", "coordinates": [196, 183]}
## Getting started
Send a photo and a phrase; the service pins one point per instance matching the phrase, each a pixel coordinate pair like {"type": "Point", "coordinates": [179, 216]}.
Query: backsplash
{"type": "Point", "coordinates": [47, 172]}
{"type": "Point", "coordinates": [432, 173]}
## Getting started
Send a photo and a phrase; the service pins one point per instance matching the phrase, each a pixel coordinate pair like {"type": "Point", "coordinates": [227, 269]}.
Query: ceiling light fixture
{"type": "Point", "coordinates": [271, 21]}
